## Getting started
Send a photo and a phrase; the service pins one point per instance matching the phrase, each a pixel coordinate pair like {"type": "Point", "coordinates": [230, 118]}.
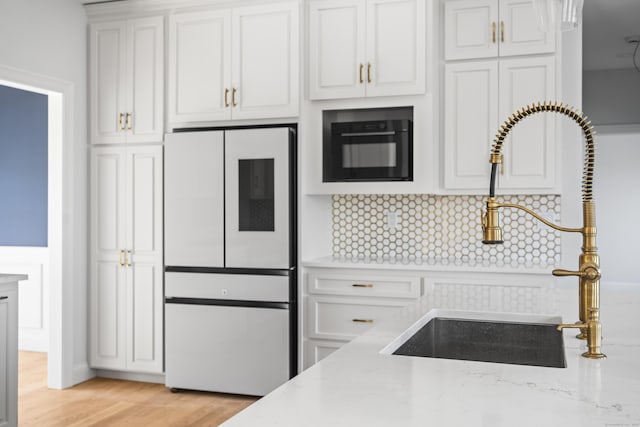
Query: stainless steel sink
{"type": "Point", "coordinates": [498, 341]}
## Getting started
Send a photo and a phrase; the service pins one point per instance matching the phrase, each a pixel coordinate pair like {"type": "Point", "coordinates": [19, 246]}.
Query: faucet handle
{"type": "Point", "coordinates": [588, 272]}
{"type": "Point", "coordinates": [562, 273]}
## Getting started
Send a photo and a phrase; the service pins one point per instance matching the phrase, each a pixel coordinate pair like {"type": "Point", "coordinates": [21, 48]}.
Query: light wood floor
{"type": "Point", "coordinates": [106, 402]}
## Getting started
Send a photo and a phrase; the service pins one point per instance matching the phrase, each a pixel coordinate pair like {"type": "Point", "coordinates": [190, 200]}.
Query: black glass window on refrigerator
{"type": "Point", "coordinates": [256, 204]}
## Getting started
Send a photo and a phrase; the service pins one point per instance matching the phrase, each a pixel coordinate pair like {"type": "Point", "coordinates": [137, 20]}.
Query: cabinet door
{"type": "Point", "coordinates": [4, 359]}
{"type": "Point", "coordinates": [107, 85]}
{"type": "Point", "coordinates": [471, 112]}
{"type": "Point", "coordinates": [145, 80]}
{"type": "Point", "coordinates": [337, 49]}
{"type": "Point", "coordinates": [529, 151]}
{"type": "Point", "coordinates": [107, 287]}
{"type": "Point", "coordinates": [265, 64]}
{"type": "Point", "coordinates": [257, 198]}
{"type": "Point", "coordinates": [144, 259]}
{"type": "Point", "coordinates": [471, 29]}
{"type": "Point", "coordinates": [521, 34]}
{"type": "Point", "coordinates": [395, 47]}
{"type": "Point", "coordinates": [200, 67]}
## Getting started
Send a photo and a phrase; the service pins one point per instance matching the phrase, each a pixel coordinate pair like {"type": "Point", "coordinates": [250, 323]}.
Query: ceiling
{"type": "Point", "coordinates": [605, 25]}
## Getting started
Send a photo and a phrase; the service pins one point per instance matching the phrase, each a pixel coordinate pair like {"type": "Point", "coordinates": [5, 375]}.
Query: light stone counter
{"type": "Point", "coordinates": [430, 264]}
{"type": "Point", "coordinates": [358, 386]}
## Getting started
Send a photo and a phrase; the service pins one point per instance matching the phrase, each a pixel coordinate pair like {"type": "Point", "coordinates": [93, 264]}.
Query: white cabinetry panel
{"type": "Point", "coordinates": [471, 115]}
{"type": "Point", "coordinates": [230, 64]}
{"type": "Point", "coordinates": [9, 354]}
{"type": "Point", "coordinates": [265, 61]}
{"type": "Point", "coordinates": [344, 319]}
{"type": "Point", "coordinates": [366, 48]}
{"type": "Point", "coordinates": [489, 28]}
{"type": "Point", "coordinates": [126, 258]}
{"type": "Point", "coordinates": [126, 81]}
{"type": "Point", "coordinates": [479, 95]}
{"type": "Point", "coordinates": [529, 151]}
{"type": "Point", "coordinates": [199, 66]}
{"type": "Point", "coordinates": [337, 48]}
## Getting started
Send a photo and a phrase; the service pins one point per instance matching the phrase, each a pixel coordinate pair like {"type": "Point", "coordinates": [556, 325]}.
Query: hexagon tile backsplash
{"type": "Point", "coordinates": [441, 227]}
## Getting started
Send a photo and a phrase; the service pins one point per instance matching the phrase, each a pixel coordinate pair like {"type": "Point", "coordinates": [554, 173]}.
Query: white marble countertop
{"type": "Point", "coordinates": [430, 264]}
{"type": "Point", "coordinates": [11, 278]}
{"type": "Point", "coordinates": [358, 386]}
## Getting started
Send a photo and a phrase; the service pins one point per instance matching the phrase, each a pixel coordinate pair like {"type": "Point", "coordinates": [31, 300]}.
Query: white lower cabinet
{"type": "Point", "coordinates": [343, 304]}
{"type": "Point", "coordinates": [126, 259]}
{"type": "Point", "coordinates": [8, 355]}
{"type": "Point", "coordinates": [501, 292]}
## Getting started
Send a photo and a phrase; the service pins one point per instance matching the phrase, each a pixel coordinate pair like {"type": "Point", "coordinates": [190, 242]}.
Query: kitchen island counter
{"type": "Point", "coordinates": [358, 386]}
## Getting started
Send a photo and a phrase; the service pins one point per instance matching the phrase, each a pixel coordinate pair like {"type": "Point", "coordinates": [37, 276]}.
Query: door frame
{"type": "Point", "coordinates": [62, 170]}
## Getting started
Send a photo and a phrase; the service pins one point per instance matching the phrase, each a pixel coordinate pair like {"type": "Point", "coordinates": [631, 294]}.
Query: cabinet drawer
{"type": "Point", "coordinates": [316, 350]}
{"type": "Point", "coordinates": [342, 319]}
{"type": "Point", "coordinates": [365, 285]}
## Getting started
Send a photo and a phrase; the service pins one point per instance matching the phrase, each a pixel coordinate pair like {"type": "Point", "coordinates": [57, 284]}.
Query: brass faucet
{"type": "Point", "coordinates": [589, 263]}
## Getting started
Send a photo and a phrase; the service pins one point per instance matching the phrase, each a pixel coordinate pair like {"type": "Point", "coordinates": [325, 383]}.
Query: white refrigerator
{"type": "Point", "coordinates": [230, 258]}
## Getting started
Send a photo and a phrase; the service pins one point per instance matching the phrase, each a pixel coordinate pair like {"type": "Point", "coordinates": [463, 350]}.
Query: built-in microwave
{"type": "Point", "coordinates": [380, 150]}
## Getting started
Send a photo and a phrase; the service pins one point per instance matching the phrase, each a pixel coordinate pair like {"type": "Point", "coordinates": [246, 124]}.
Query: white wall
{"type": "Point", "coordinates": [617, 195]}
{"type": "Point", "coordinates": [611, 96]}
{"type": "Point", "coordinates": [49, 38]}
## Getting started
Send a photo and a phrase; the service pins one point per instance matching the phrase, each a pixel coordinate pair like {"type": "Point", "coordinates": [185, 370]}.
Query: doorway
{"type": "Point", "coordinates": [60, 302]}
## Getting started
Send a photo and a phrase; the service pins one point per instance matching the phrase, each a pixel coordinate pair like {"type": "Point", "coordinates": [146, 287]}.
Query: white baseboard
{"type": "Point", "coordinates": [33, 340]}
{"type": "Point", "coordinates": [81, 373]}
{"type": "Point", "coordinates": [131, 376]}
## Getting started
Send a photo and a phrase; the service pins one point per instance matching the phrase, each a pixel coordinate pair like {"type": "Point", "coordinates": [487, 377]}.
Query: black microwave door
{"type": "Point", "coordinates": [371, 158]}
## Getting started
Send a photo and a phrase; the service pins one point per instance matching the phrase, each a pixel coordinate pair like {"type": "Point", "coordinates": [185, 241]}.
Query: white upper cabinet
{"type": "Point", "coordinates": [480, 95]}
{"type": "Point", "coordinates": [126, 87]}
{"type": "Point", "coordinates": [489, 28]}
{"type": "Point", "coordinates": [529, 151]}
{"type": "Point", "coordinates": [240, 63]}
{"type": "Point", "coordinates": [199, 66]}
{"type": "Point", "coordinates": [366, 48]}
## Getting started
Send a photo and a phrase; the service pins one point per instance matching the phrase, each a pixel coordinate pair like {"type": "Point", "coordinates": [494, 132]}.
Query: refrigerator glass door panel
{"type": "Point", "coordinates": [257, 198]}
{"type": "Point", "coordinates": [194, 191]}
{"type": "Point", "coordinates": [226, 349]}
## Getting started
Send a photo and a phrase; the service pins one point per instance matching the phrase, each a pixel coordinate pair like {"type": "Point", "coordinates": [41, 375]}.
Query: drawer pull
{"type": "Point", "coordinates": [363, 320]}
{"type": "Point", "coordinates": [362, 285]}
{"type": "Point", "coordinates": [3, 298]}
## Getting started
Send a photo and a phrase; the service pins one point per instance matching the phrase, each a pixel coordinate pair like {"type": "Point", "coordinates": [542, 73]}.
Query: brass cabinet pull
{"type": "Point", "coordinates": [233, 97]}
{"type": "Point", "coordinates": [129, 121]}
{"type": "Point", "coordinates": [362, 285]}
{"type": "Point", "coordinates": [502, 31]}
{"type": "Point", "coordinates": [226, 97]}
{"type": "Point", "coordinates": [120, 259]}
{"type": "Point", "coordinates": [368, 72]}
{"type": "Point", "coordinates": [128, 258]}
{"type": "Point", "coordinates": [363, 320]}
{"type": "Point", "coordinates": [120, 123]}
{"type": "Point", "coordinates": [493, 31]}
{"type": "Point", "coordinates": [361, 67]}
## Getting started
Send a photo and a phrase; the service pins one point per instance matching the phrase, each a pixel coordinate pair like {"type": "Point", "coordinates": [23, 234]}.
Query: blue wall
{"type": "Point", "coordinates": [23, 167]}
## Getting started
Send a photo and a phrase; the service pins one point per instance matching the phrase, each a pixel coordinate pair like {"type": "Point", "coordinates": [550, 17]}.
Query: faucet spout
{"type": "Point", "coordinates": [589, 263]}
